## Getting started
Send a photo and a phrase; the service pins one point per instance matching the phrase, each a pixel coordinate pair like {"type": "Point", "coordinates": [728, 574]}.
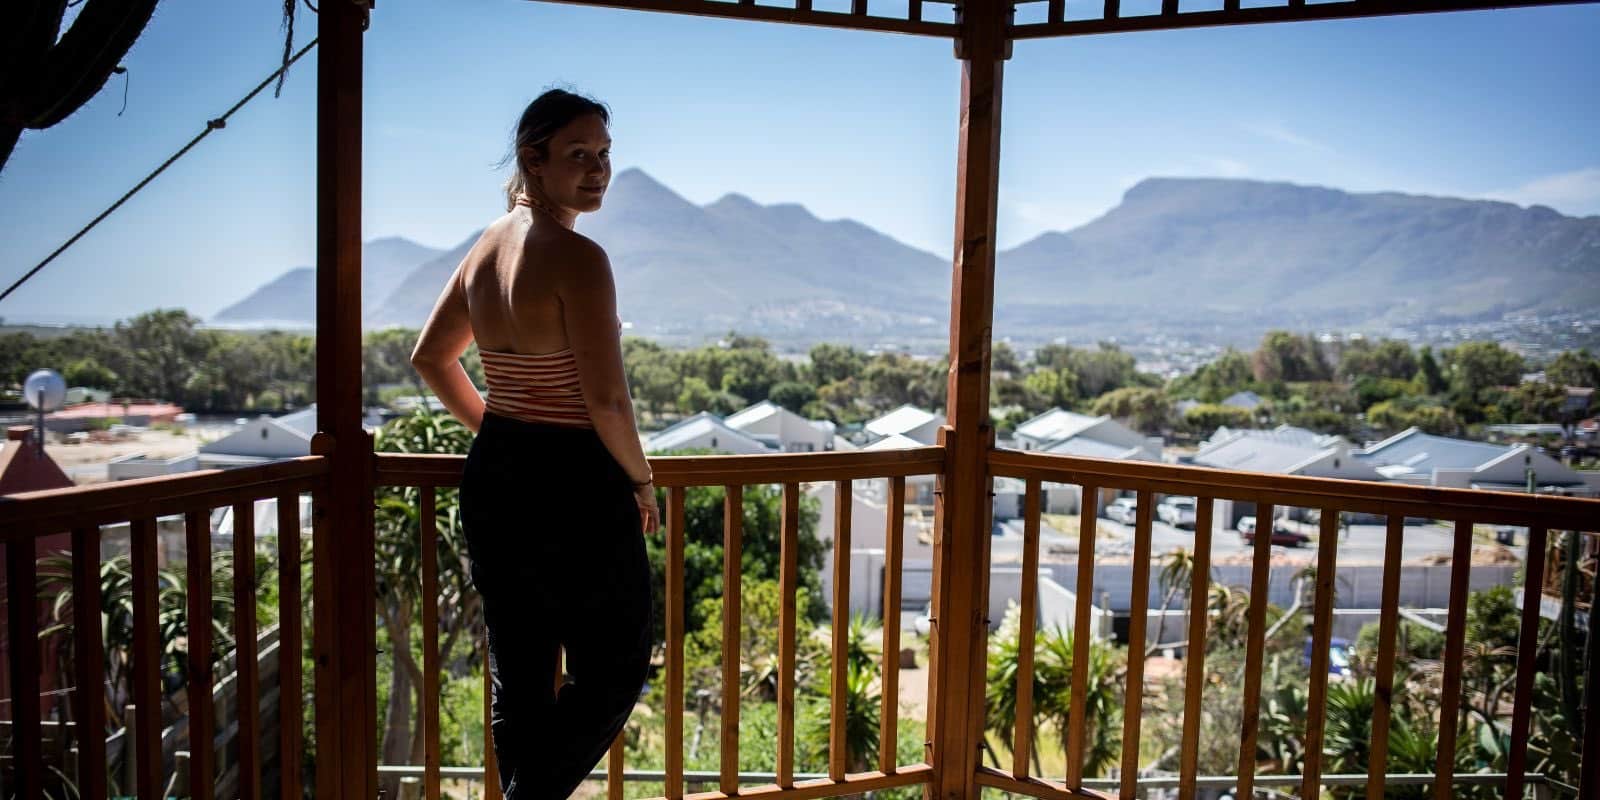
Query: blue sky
{"type": "Point", "coordinates": [1486, 104]}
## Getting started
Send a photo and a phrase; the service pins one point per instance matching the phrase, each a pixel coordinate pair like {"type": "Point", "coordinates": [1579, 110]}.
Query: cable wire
{"type": "Point", "coordinates": [211, 125]}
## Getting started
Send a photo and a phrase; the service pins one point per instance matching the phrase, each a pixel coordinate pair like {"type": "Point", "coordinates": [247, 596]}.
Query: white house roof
{"type": "Point", "coordinates": [298, 427]}
{"type": "Point", "coordinates": [1259, 453]}
{"type": "Point", "coordinates": [899, 421]}
{"type": "Point", "coordinates": [1093, 448]}
{"type": "Point", "coordinates": [753, 414]}
{"type": "Point", "coordinates": [686, 432]}
{"type": "Point", "coordinates": [1249, 400]}
{"type": "Point", "coordinates": [1287, 434]}
{"type": "Point", "coordinates": [1412, 452]}
{"type": "Point", "coordinates": [894, 441]}
{"type": "Point", "coordinates": [1057, 424]}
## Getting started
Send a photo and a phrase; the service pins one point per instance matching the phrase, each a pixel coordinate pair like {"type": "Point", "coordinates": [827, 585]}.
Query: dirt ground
{"type": "Point", "coordinates": [85, 462]}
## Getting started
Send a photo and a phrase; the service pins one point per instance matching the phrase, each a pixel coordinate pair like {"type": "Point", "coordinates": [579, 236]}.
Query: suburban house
{"type": "Point", "coordinates": [263, 439]}
{"type": "Point", "coordinates": [1284, 450]}
{"type": "Point", "coordinates": [1248, 401]}
{"type": "Point", "coordinates": [782, 429]}
{"type": "Point", "coordinates": [705, 431]}
{"type": "Point", "coordinates": [83, 416]}
{"type": "Point", "coordinates": [1067, 433]}
{"type": "Point", "coordinates": [1424, 459]}
{"type": "Point", "coordinates": [907, 421]}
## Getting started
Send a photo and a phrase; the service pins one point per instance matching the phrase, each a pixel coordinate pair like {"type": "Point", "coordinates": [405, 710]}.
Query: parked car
{"type": "Point", "coordinates": [1123, 509]}
{"type": "Point", "coordinates": [1282, 534]}
{"type": "Point", "coordinates": [1246, 526]}
{"type": "Point", "coordinates": [922, 623]}
{"type": "Point", "coordinates": [1338, 657]}
{"type": "Point", "coordinates": [1177, 511]}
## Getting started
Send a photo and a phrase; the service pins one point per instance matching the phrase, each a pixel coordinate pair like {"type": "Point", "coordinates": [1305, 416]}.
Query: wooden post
{"type": "Point", "coordinates": [961, 546]}
{"type": "Point", "coordinates": [344, 636]}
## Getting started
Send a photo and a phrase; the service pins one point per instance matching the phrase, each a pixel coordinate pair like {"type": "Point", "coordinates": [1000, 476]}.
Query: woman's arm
{"type": "Point", "coordinates": [437, 356]}
{"type": "Point", "coordinates": [589, 311]}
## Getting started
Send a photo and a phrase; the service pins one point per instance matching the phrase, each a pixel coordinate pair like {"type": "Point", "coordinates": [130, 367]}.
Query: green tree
{"type": "Point", "coordinates": [1430, 374]}
{"type": "Point", "coordinates": [1145, 410]}
{"type": "Point", "coordinates": [1574, 368]}
{"type": "Point", "coordinates": [89, 372]}
{"type": "Point", "coordinates": [696, 396]}
{"type": "Point", "coordinates": [1389, 358]}
{"type": "Point", "coordinates": [1206, 418]}
{"type": "Point", "coordinates": [161, 350]}
{"type": "Point", "coordinates": [792, 395]}
{"type": "Point", "coordinates": [1475, 366]}
{"type": "Point", "coordinates": [1283, 356]}
{"type": "Point", "coordinates": [1213, 382]}
{"type": "Point", "coordinates": [833, 362]}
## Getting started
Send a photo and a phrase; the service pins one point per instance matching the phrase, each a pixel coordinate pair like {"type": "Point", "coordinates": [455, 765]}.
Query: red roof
{"type": "Point", "coordinates": [23, 468]}
{"type": "Point", "coordinates": [104, 410]}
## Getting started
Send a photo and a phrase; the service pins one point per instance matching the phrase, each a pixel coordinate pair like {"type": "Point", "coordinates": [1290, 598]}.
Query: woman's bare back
{"type": "Point", "coordinates": [511, 288]}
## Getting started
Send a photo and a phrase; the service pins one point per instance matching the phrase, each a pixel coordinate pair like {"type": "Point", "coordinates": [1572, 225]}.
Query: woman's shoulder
{"type": "Point", "coordinates": [564, 251]}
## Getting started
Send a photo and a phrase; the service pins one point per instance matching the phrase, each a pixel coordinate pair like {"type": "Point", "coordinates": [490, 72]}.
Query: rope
{"type": "Point", "coordinates": [211, 125]}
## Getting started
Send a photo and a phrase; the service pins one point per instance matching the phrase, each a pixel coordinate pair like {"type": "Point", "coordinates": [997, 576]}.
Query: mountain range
{"type": "Point", "coordinates": [1181, 252]}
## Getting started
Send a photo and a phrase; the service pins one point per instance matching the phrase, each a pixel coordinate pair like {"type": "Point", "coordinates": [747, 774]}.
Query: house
{"type": "Point", "coordinates": [1280, 452]}
{"type": "Point", "coordinates": [1423, 459]}
{"type": "Point", "coordinates": [782, 429]}
{"type": "Point", "coordinates": [263, 439]}
{"type": "Point", "coordinates": [1579, 400]}
{"type": "Point", "coordinates": [705, 431]}
{"type": "Point", "coordinates": [908, 421]}
{"type": "Point", "coordinates": [83, 416]}
{"type": "Point", "coordinates": [1062, 432]}
{"type": "Point", "coordinates": [1248, 401]}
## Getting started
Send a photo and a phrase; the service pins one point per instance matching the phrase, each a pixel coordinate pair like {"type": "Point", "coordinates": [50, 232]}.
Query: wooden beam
{"type": "Point", "coordinates": [961, 545]}
{"type": "Point", "coordinates": [1233, 14]}
{"type": "Point", "coordinates": [345, 636]}
{"type": "Point", "coordinates": [801, 14]}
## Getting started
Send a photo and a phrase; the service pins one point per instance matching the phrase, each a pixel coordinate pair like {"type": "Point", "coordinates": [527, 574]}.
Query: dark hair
{"type": "Point", "coordinates": [548, 113]}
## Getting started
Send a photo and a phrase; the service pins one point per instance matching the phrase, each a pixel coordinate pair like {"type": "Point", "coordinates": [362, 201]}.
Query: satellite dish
{"type": "Point", "coordinates": [45, 390]}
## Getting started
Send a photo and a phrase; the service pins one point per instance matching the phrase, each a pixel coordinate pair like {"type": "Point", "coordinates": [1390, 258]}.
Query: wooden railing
{"type": "Point", "coordinates": [733, 473]}
{"type": "Point", "coordinates": [140, 503]}
{"type": "Point", "coordinates": [1539, 514]}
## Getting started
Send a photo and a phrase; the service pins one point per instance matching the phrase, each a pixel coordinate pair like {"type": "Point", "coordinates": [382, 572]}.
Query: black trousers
{"type": "Point", "coordinates": [557, 555]}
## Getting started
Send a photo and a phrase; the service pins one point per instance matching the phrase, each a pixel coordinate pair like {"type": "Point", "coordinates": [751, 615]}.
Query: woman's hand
{"type": "Point", "coordinates": [649, 513]}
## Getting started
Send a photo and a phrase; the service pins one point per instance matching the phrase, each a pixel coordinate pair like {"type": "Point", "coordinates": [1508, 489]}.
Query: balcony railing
{"type": "Point", "coordinates": [81, 511]}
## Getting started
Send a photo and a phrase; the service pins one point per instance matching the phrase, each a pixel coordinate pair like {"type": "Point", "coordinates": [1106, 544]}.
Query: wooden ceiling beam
{"type": "Point", "coordinates": [802, 14]}
{"type": "Point", "coordinates": [1230, 14]}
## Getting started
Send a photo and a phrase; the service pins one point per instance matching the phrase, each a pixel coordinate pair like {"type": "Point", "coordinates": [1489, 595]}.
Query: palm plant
{"type": "Point", "coordinates": [1177, 572]}
{"type": "Point", "coordinates": [862, 698]}
{"type": "Point", "coordinates": [1102, 700]}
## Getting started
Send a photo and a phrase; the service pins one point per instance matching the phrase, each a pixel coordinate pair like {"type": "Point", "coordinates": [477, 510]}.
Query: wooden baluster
{"type": "Point", "coordinates": [429, 535]}
{"type": "Point", "coordinates": [22, 607]}
{"type": "Point", "coordinates": [1057, 10]}
{"type": "Point", "coordinates": [1022, 738]}
{"type": "Point", "coordinates": [1088, 526]}
{"type": "Point", "coordinates": [1388, 622]}
{"type": "Point", "coordinates": [145, 733]}
{"type": "Point", "coordinates": [788, 583]}
{"type": "Point", "coordinates": [89, 661]}
{"type": "Point", "coordinates": [1194, 653]}
{"type": "Point", "coordinates": [1527, 648]}
{"type": "Point", "coordinates": [1321, 639]}
{"type": "Point", "coordinates": [1138, 619]}
{"type": "Point", "coordinates": [893, 557]}
{"type": "Point", "coordinates": [614, 768]}
{"type": "Point", "coordinates": [202, 716]}
{"type": "Point", "coordinates": [843, 499]}
{"type": "Point", "coordinates": [914, 10]}
{"type": "Point", "coordinates": [1255, 642]}
{"type": "Point", "coordinates": [675, 632]}
{"type": "Point", "coordinates": [732, 620]}
{"type": "Point", "coordinates": [1455, 639]}
{"type": "Point", "coordinates": [291, 719]}
{"type": "Point", "coordinates": [247, 701]}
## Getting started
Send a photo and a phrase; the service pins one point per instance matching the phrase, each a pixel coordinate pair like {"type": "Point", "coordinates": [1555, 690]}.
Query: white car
{"type": "Point", "coordinates": [1246, 526]}
{"type": "Point", "coordinates": [1177, 511]}
{"type": "Point", "coordinates": [1123, 509]}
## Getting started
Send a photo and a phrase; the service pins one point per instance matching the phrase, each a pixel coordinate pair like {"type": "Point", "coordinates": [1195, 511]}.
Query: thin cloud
{"type": "Point", "coordinates": [1576, 192]}
{"type": "Point", "coordinates": [1278, 132]}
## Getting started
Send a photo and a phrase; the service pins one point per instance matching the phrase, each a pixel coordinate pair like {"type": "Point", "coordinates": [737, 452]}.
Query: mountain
{"type": "Point", "coordinates": [1253, 249]}
{"type": "Point", "coordinates": [291, 297]}
{"type": "Point", "coordinates": [732, 264]}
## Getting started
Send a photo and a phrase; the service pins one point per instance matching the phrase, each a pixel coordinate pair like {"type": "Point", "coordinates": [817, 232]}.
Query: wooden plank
{"type": "Point", "coordinates": [49, 511]}
{"type": "Point", "coordinates": [1455, 639]}
{"type": "Point", "coordinates": [1057, 10]}
{"type": "Point", "coordinates": [22, 617]}
{"type": "Point", "coordinates": [1112, 10]}
{"type": "Point", "coordinates": [855, 784]}
{"type": "Point", "coordinates": [614, 767]}
{"type": "Point", "coordinates": [1088, 527]}
{"type": "Point", "coordinates": [89, 665]}
{"type": "Point", "coordinates": [291, 641]}
{"type": "Point", "coordinates": [247, 666]}
{"type": "Point", "coordinates": [1138, 619]}
{"type": "Point", "coordinates": [491, 766]}
{"type": "Point", "coordinates": [675, 617]}
{"type": "Point", "coordinates": [732, 623]}
{"type": "Point", "coordinates": [914, 10]}
{"type": "Point", "coordinates": [202, 717]}
{"type": "Point", "coordinates": [1527, 650]}
{"type": "Point", "coordinates": [1511, 508]}
{"type": "Point", "coordinates": [1194, 654]}
{"type": "Point", "coordinates": [788, 583]}
{"type": "Point", "coordinates": [1321, 639]}
{"type": "Point", "coordinates": [429, 534]}
{"type": "Point", "coordinates": [1033, 787]}
{"type": "Point", "coordinates": [1170, 7]}
{"type": "Point", "coordinates": [1022, 739]}
{"type": "Point", "coordinates": [1255, 642]}
{"type": "Point", "coordinates": [893, 559]}
{"type": "Point", "coordinates": [1388, 624]}
{"type": "Point", "coordinates": [1233, 14]}
{"type": "Point", "coordinates": [146, 729]}
{"type": "Point", "coordinates": [858, 7]}
{"type": "Point", "coordinates": [412, 469]}
{"type": "Point", "coordinates": [839, 696]}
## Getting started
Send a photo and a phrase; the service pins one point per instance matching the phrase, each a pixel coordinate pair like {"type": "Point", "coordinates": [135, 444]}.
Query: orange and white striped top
{"type": "Point", "coordinates": [540, 387]}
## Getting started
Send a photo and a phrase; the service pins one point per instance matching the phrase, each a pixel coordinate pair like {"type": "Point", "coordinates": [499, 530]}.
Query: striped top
{"type": "Point", "coordinates": [540, 387]}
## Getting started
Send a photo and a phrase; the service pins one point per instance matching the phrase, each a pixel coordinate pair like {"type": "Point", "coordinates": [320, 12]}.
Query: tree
{"type": "Point", "coordinates": [1475, 366]}
{"type": "Point", "coordinates": [50, 74]}
{"type": "Point", "coordinates": [161, 349]}
{"type": "Point", "coordinates": [1283, 356]}
{"type": "Point", "coordinates": [89, 372]}
{"type": "Point", "coordinates": [1574, 368]}
{"type": "Point", "coordinates": [1004, 359]}
{"type": "Point", "coordinates": [792, 395]}
{"type": "Point", "coordinates": [1390, 358]}
{"type": "Point", "coordinates": [386, 358]}
{"type": "Point", "coordinates": [1429, 372]}
{"type": "Point", "coordinates": [1213, 382]}
{"type": "Point", "coordinates": [1206, 417]}
{"type": "Point", "coordinates": [696, 396]}
{"type": "Point", "coordinates": [833, 362]}
{"type": "Point", "coordinates": [1143, 409]}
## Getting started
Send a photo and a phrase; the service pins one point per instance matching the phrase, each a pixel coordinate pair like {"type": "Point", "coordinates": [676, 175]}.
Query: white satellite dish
{"type": "Point", "coordinates": [45, 390]}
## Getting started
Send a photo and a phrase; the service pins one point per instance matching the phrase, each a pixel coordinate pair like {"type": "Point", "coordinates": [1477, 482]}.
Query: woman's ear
{"type": "Point", "coordinates": [528, 157]}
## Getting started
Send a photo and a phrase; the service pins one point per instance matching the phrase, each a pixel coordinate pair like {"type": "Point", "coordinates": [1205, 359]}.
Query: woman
{"type": "Point", "coordinates": [556, 488]}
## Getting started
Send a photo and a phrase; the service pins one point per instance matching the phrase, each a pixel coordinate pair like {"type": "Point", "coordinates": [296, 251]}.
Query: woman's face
{"type": "Point", "coordinates": [578, 169]}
